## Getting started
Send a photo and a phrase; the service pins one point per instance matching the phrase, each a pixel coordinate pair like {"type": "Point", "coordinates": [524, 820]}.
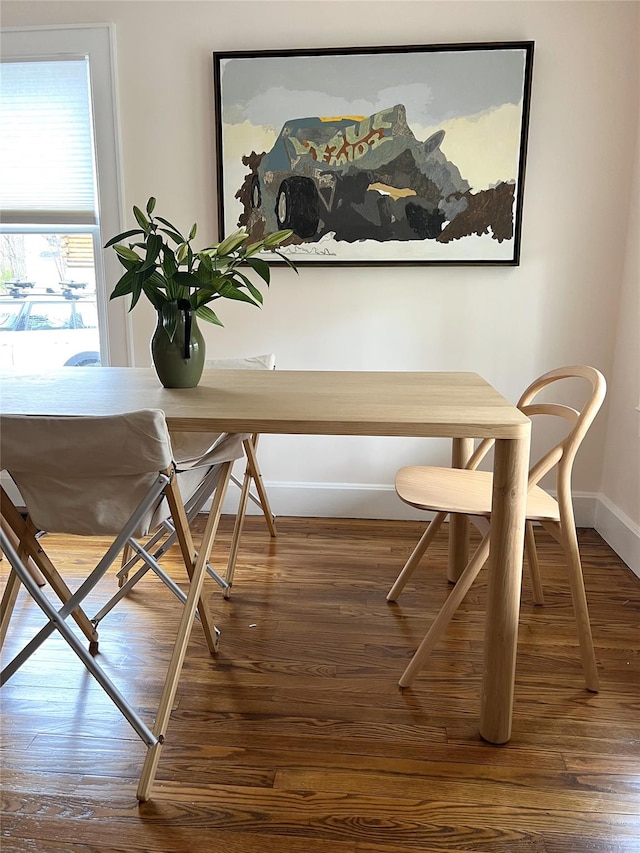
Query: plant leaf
{"type": "Point", "coordinates": [154, 244]}
{"type": "Point", "coordinates": [207, 314]}
{"type": "Point", "coordinates": [169, 264]}
{"type": "Point", "coordinates": [122, 236]}
{"type": "Point", "coordinates": [172, 227]}
{"type": "Point", "coordinates": [127, 253]}
{"type": "Point", "coordinates": [159, 285]}
{"type": "Point", "coordinates": [143, 222]}
{"type": "Point", "coordinates": [206, 293]}
{"type": "Point", "coordinates": [187, 279]}
{"type": "Point", "coordinates": [231, 243]}
{"type": "Point", "coordinates": [244, 281]}
{"type": "Point", "coordinates": [255, 293]}
{"type": "Point", "coordinates": [175, 236]}
{"type": "Point", "coordinates": [136, 290]}
{"type": "Point", "coordinates": [151, 205]}
{"type": "Point", "coordinates": [128, 264]}
{"type": "Point", "coordinates": [155, 297]}
{"type": "Point", "coordinates": [288, 262]}
{"type": "Point", "coordinates": [276, 238]}
{"type": "Point", "coordinates": [261, 268]}
{"type": "Point", "coordinates": [204, 271]}
{"type": "Point", "coordinates": [253, 249]}
{"type": "Point", "coordinates": [169, 313]}
{"type": "Point", "coordinates": [123, 286]}
{"type": "Point", "coordinates": [229, 291]}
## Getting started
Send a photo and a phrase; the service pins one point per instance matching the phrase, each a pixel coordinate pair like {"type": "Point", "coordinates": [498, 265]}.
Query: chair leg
{"type": "Point", "coordinates": [446, 613]}
{"type": "Point", "coordinates": [576, 583]}
{"type": "Point", "coordinates": [18, 516]}
{"type": "Point", "coordinates": [132, 554]}
{"type": "Point", "coordinates": [532, 563]}
{"type": "Point", "coordinates": [254, 469]}
{"type": "Point", "coordinates": [416, 556]}
{"type": "Point", "coordinates": [12, 588]}
{"type": "Point", "coordinates": [35, 573]}
{"type": "Point", "coordinates": [123, 576]}
{"type": "Point", "coordinates": [197, 574]}
{"type": "Point", "coordinates": [237, 532]}
{"type": "Point", "coordinates": [252, 472]}
{"type": "Point", "coordinates": [188, 551]}
{"type": "Point", "coordinates": [8, 603]}
{"type": "Point", "coordinates": [22, 534]}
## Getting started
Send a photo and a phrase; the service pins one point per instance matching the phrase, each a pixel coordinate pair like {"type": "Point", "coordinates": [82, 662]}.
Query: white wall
{"type": "Point", "coordinates": [618, 510]}
{"type": "Point", "coordinates": [567, 302]}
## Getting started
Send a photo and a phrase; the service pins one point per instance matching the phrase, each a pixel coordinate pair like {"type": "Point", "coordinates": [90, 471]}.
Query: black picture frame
{"type": "Point", "coordinates": [381, 155]}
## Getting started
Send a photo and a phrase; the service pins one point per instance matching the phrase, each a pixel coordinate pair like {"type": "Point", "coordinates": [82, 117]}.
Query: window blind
{"type": "Point", "coordinates": [47, 173]}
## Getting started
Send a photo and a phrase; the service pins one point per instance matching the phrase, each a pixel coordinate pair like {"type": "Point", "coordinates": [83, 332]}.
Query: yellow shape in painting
{"type": "Point", "coordinates": [484, 147]}
{"type": "Point", "coordinates": [342, 118]}
{"type": "Point", "coordinates": [394, 192]}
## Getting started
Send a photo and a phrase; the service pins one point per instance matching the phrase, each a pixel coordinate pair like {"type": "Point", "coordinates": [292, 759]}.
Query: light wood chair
{"type": "Point", "coordinates": [97, 476]}
{"type": "Point", "coordinates": [468, 492]}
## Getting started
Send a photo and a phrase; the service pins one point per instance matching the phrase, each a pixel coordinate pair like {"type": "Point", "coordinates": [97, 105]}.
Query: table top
{"type": "Point", "coordinates": [374, 403]}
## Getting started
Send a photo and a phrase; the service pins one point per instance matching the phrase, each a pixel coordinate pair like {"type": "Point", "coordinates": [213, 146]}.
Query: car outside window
{"type": "Point", "coordinates": [53, 330]}
{"type": "Point", "coordinates": [9, 317]}
{"type": "Point", "coordinates": [49, 316]}
{"type": "Point", "coordinates": [85, 316]}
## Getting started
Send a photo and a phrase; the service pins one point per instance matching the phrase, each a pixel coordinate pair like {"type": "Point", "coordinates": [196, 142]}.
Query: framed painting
{"type": "Point", "coordinates": [381, 155]}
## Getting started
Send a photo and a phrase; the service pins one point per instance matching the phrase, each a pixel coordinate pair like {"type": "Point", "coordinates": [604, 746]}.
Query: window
{"type": "Point", "coordinates": [59, 186]}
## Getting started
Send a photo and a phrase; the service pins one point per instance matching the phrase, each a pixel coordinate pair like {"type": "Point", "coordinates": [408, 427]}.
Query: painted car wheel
{"type": "Point", "coordinates": [297, 206]}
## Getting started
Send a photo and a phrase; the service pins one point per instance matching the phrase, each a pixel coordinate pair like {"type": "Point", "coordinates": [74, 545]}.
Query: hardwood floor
{"type": "Point", "coordinates": [297, 739]}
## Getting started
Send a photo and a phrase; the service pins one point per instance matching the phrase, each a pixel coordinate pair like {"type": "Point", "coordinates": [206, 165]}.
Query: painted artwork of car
{"type": "Point", "coordinates": [48, 330]}
{"type": "Point", "coordinates": [357, 178]}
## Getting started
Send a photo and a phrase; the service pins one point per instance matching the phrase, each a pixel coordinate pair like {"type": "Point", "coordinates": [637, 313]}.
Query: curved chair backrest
{"type": "Point", "coordinates": [84, 475]}
{"type": "Point", "coordinates": [563, 453]}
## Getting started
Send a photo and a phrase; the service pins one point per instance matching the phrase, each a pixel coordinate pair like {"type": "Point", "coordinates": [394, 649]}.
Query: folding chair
{"type": "Point", "coordinates": [468, 491]}
{"type": "Point", "coordinates": [196, 499]}
{"type": "Point", "coordinates": [92, 476]}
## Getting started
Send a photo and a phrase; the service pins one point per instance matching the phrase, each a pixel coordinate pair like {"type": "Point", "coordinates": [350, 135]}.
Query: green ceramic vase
{"type": "Point", "coordinates": [179, 363]}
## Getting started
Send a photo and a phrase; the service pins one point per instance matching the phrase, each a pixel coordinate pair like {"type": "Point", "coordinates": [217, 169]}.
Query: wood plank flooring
{"type": "Point", "coordinates": [297, 739]}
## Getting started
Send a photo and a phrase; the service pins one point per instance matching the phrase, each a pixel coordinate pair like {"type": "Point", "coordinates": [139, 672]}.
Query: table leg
{"type": "Point", "coordinates": [503, 590]}
{"type": "Point", "coordinates": [459, 524]}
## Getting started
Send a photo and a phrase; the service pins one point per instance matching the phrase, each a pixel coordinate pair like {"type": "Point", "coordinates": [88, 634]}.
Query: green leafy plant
{"type": "Point", "coordinates": [175, 277]}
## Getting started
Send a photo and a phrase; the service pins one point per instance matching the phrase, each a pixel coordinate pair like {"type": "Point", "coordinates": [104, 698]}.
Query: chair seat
{"type": "Point", "coordinates": [465, 492]}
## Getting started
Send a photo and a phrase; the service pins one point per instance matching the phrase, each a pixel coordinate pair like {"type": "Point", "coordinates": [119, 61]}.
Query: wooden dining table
{"type": "Point", "coordinates": [457, 405]}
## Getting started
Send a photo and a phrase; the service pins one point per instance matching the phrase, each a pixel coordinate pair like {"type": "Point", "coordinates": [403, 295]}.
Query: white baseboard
{"type": "Point", "coordinates": [330, 500]}
{"type": "Point", "coordinates": [364, 500]}
{"type": "Point", "coordinates": [619, 531]}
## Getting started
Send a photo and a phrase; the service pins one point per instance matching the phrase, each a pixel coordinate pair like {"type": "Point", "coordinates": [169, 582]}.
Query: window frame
{"type": "Point", "coordinates": [97, 41]}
